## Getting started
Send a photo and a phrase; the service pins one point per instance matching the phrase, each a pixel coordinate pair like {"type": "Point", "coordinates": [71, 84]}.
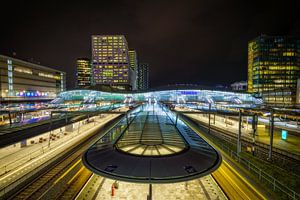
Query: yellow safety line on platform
{"type": "Point", "coordinates": [81, 169]}
{"type": "Point", "coordinates": [232, 181]}
{"type": "Point", "coordinates": [232, 169]}
{"type": "Point", "coordinates": [67, 171]}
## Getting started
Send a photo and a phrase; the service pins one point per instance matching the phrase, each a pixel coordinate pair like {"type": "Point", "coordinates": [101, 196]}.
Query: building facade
{"type": "Point", "coordinates": [84, 75]}
{"type": "Point", "coordinates": [273, 68]}
{"type": "Point", "coordinates": [273, 62]}
{"type": "Point", "coordinates": [110, 61]}
{"type": "Point", "coordinates": [134, 66]}
{"type": "Point", "coordinates": [239, 86]}
{"type": "Point", "coordinates": [298, 94]}
{"type": "Point", "coordinates": [25, 81]}
{"type": "Point", "coordinates": [143, 76]}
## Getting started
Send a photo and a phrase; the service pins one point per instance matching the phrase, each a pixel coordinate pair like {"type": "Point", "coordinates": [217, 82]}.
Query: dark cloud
{"type": "Point", "coordinates": [197, 41]}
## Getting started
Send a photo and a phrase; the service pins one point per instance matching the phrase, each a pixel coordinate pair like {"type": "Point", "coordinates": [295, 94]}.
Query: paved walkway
{"type": "Point", "coordinates": [13, 176]}
{"type": "Point", "coordinates": [203, 188]}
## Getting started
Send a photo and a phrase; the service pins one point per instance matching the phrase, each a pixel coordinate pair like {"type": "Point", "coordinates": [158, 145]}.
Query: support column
{"type": "Point", "coordinates": [271, 134]}
{"type": "Point", "coordinates": [149, 197]}
{"type": "Point", "coordinates": [254, 128]}
{"type": "Point", "coordinates": [50, 127]}
{"type": "Point", "coordinates": [127, 119]}
{"type": "Point", "coordinates": [214, 118]}
{"type": "Point", "coordinates": [209, 109]}
{"type": "Point", "coordinates": [239, 144]}
{"type": "Point", "coordinates": [66, 115]}
{"type": "Point", "coordinates": [9, 116]}
{"type": "Point", "coordinates": [176, 119]}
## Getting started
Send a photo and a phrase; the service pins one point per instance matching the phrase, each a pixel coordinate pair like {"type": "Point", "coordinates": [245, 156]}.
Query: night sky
{"type": "Point", "coordinates": [200, 42]}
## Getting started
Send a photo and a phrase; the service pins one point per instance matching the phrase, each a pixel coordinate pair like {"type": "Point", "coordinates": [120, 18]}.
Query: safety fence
{"type": "Point", "coordinates": [256, 171]}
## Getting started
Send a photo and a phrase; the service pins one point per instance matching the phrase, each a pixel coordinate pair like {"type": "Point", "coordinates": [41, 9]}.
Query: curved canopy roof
{"type": "Point", "coordinates": [152, 150]}
{"type": "Point", "coordinates": [182, 95]}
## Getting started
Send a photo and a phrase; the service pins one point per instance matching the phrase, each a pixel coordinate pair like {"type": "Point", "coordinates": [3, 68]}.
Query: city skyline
{"type": "Point", "coordinates": [177, 37]}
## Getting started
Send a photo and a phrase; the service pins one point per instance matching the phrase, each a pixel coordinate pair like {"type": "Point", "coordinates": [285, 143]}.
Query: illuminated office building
{"type": "Point", "coordinates": [22, 81]}
{"type": "Point", "coordinates": [273, 69]}
{"type": "Point", "coordinates": [133, 60]}
{"type": "Point", "coordinates": [83, 74]}
{"type": "Point", "coordinates": [110, 60]}
{"type": "Point", "coordinates": [134, 66]}
{"type": "Point", "coordinates": [143, 76]}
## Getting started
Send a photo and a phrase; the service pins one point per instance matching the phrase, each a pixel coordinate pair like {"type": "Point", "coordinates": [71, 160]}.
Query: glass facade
{"type": "Point", "coordinates": [133, 60]}
{"type": "Point", "coordinates": [273, 62]}
{"type": "Point", "coordinates": [151, 133]}
{"type": "Point", "coordinates": [274, 67]}
{"type": "Point", "coordinates": [143, 76]}
{"type": "Point", "coordinates": [84, 69]}
{"type": "Point", "coordinates": [134, 66]}
{"type": "Point", "coordinates": [110, 61]}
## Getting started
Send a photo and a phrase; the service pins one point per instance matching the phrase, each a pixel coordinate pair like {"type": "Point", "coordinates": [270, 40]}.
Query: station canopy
{"type": "Point", "coordinates": [175, 96]}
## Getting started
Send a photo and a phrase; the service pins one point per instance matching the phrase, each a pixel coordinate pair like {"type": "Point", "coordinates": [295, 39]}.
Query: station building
{"type": "Point", "coordinates": [22, 81]}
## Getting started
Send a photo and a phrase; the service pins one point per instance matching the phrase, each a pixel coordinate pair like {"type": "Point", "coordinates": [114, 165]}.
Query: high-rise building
{"type": "Point", "coordinates": [143, 76]}
{"type": "Point", "coordinates": [273, 65]}
{"type": "Point", "coordinates": [22, 81]}
{"type": "Point", "coordinates": [134, 66]}
{"type": "Point", "coordinates": [133, 60]}
{"type": "Point", "coordinates": [110, 60]}
{"type": "Point", "coordinates": [83, 74]}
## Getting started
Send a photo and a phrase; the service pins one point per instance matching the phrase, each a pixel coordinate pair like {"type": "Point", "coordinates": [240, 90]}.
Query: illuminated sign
{"type": "Point", "coordinates": [31, 94]}
{"type": "Point", "coordinates": [189, 92]}
{"type": "Point", "coordinates": [283, 134]}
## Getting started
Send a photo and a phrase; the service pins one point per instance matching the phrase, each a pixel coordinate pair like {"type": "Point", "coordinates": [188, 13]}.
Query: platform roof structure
{"type": "Point", "coordinates": [178, 96]}
{"type": "Point", "coordinates": [154, 149]}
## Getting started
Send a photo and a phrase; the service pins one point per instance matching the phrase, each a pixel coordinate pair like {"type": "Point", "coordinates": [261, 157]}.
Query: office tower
{"type": "Point", "coordinates": [133, 60]}
{"type": "Point", "coordinates": [273, 68]}
{"type": "Point", "coordinates": [110, 62]}
{"type": "Point", "coordinates": [143, 76]}
{"type": "Point", "coordinates": [134, 66]}
{"type": "Point", "coordinates": [24, 81]}
{"type": "Point", "coordinates": [83, 74]}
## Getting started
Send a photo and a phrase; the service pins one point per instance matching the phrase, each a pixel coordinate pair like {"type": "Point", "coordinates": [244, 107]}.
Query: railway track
{"type": "Point", "coordinates": [42, 187]}
{"type": "Point", "coordinates": [65, 178]}
{"type": "Point", "coordinates": [261, 150]}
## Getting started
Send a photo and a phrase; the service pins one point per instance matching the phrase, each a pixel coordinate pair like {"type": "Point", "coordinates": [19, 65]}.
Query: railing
{"type": "Point", "coordinates": [231, 136]}
{"type": "Point", "coordinates": [262, 176]}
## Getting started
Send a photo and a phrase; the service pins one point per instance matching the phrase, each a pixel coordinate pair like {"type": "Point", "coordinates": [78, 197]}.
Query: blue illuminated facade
{"type": "Point", "coordinates": [172, 96]}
